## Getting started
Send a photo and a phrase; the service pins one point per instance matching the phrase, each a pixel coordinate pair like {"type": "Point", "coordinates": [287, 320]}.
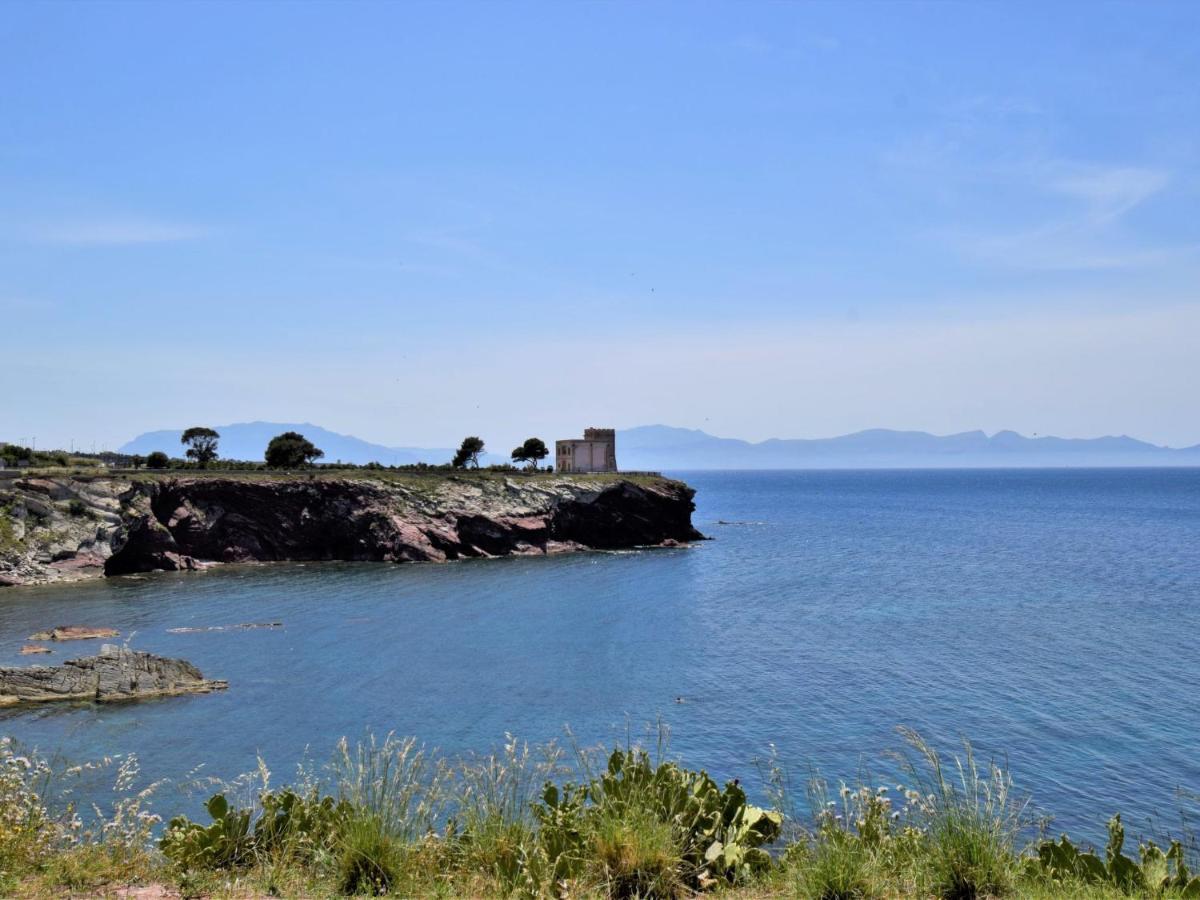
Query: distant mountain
{"type": "Point", "coordinates": [248, 440]}
{"type": "Point", "coordinates": [662, 447]}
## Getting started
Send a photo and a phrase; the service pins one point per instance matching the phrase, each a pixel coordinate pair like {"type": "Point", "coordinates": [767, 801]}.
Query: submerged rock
{"type": "Point", "coordinates": [241, 626]}
{"type": "Point", "coordinates": [116, 673]}
{"type": "Point", "coordinates": [30, 649]}
{"type": "Point", "coordinates": [74, 633]}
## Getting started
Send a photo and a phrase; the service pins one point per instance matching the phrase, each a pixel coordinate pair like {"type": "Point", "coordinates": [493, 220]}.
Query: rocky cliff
{"type": "Point", "coordinates": [56, 528]}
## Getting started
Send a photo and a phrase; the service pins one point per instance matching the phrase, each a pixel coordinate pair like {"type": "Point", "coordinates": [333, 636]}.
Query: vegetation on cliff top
{"type": "Point", "coordinates": [468, 453]}
{"type": "Point", "coordinates": [387, 817]}
{"type": "Point", "coordinates": [289, 450]}
{"type": "Point", "coordinates": [201, 444]}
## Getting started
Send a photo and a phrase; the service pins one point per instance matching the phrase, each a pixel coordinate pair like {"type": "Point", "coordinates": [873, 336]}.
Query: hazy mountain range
{"type": "Point", "coordinates": [248, 440]}
{"type": "Point", "coordinates": [661, 447]}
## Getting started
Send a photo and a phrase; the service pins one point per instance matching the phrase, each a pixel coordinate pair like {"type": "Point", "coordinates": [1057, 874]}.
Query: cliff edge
{"type": "Point", "coordinates": [63, 528]}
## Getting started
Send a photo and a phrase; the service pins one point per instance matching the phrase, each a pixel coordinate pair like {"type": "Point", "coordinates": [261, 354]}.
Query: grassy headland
{"type": "Point", "coordinates": [386, 817]}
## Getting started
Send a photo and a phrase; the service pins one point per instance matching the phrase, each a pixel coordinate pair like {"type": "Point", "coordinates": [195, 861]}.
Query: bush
{"type": "Point", "coordinates": [298, 827]}
{"type": "Point", "coordinates": [634, 854]}
{"type": "Point", "coordinates": [370, 858]}
{"type": "Point", "coordinates": [404, 823]}
{"type": "Point", "coordinates": [157, 460]}
{"type": "Point", "coordinates": [836, 867]}
{"type": "Point", "coordinates": [27, 831]}
{"type": "Point", "coordinates": [495, 825]}
{"type": "Point", "coordinates": [224, 843]}
{"type": "Point", "coordinates": [393, 782]}
{"type": "Point", "coordinates": [1155, 872]}
{"type": "Point", "coordinates": [616, 816]}
{"type": "Point", "coordinates": [972, 823]}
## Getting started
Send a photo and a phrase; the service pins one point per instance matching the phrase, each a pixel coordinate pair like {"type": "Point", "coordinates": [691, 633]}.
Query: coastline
{"type": "Point", "coordinates": [56, 528]}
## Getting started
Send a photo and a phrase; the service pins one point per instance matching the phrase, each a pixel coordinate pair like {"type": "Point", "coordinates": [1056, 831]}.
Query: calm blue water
{"type": "Point", "coordinates": [1049, 615]}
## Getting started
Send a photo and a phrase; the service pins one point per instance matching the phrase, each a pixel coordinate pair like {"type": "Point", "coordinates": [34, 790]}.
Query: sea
{"type": "Point", "coordinates": [1050, 618]}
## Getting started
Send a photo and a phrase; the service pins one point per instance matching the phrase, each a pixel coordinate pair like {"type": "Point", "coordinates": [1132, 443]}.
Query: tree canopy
{"type": "Point", "coordinates": [291, 450]}
{"type": "Point", "coordinates": [468, 452]}
{"type": "Point", "coordinates": [202, 444]}
{"type": "Point", "coordinates": [13, 454]}
{"type": "Point", "coordinates": [532, 451]}
{"type": "Point", "coordinates": [157, 460]}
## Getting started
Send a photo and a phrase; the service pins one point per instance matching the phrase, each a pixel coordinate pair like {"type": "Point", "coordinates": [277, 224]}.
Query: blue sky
{"type": "Point", "coordinates": [415, 221]}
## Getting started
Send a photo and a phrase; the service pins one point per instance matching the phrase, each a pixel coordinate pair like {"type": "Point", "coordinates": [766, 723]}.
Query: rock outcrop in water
{"type": "Point", "coordinates": [116, 673]}
{"type": "Point", "coordinates": [74, 633]}
{"type": "Point", "coordinates": [121, 526]}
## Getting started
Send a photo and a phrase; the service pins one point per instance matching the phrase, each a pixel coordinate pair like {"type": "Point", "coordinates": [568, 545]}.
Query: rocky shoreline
{"type": "Point", "coordinates": [71, 527]}
{"type": "Point", "coordinates": [114, 674]}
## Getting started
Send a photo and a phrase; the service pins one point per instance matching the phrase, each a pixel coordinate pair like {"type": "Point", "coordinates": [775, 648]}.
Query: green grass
{"type": "Point", "coordinates": [401, 821]}
{"type": "Point", "coordinates": [10, 544]}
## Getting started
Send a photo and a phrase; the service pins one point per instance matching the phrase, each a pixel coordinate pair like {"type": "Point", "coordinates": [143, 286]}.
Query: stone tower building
{"type": "Point", "coordinates": [595, 452]}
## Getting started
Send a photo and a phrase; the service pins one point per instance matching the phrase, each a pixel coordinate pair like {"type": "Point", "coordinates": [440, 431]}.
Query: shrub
{"type": "Point", "coordinates": [837, 866]}
{"type": "Point", "coordinates": [394, 782]}
{"type": "Point", "coordinates": [157, 460]}
{"type": "Point", "coordinates": [972, 822]}
{"type": "Point", "coordinates": [224, 843]}
{"type": "Point", "coordinates": [27, 831]}
{"type": "Point", "coordinates": [77, 508]}
{"type": "Point", "coordinates": [634, 854]}
{"type": "Point", "coordinates": [715, 833]}
{"type": "Point", "coordinates": [300, 826]}
{"type": "Point", "coordinates": [287, 824]}
{"type": "Point", "coordinates": [1156, 872]}
{"type": "Point", "coordinates": [9, 542]}
{"type": "Point", "coordinates": [369, 862]}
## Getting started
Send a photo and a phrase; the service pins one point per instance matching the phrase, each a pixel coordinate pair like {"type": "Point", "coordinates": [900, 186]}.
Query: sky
{"type": "Point", "coordinates": [412, 222]}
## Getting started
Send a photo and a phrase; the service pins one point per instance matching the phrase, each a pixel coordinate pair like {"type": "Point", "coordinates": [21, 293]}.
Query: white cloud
{"type": "Point", "coordinates": [1108, 191]}
{"type": "Point", "coordinates": [112, 231]}
{"type": "Point", "coordinates": [1066, 245]}
{"type": "Point", "coordinates": [1090, 236]}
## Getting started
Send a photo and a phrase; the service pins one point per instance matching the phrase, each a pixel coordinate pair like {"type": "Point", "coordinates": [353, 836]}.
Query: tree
{"type": "Point", "coordinates": [14, 454]}
{"type": "Point", "coordinates": [157, 460]}
{"type": "Point", "coordinates": [291, 450]}
{"type": "Point", "coordinates": [202, 445]}
{"type": "Point", "coordinates": [468, 452]}
{"type": "Point", "coordinates": [532, 451]}
{"type": "Point", "coordinates": [137, 461]}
